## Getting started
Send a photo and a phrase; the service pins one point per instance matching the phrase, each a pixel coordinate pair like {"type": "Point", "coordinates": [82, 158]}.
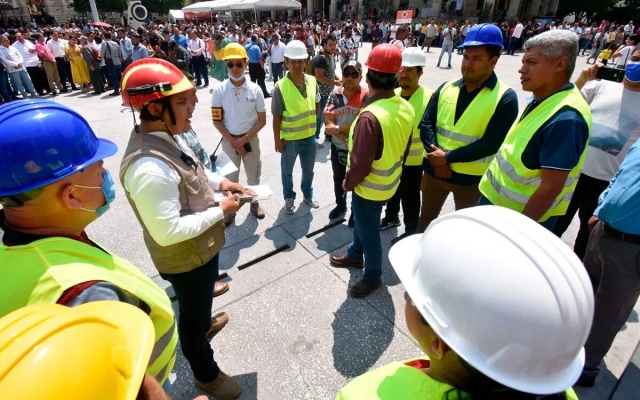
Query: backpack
{"type": "Point", "coordinates": [310, 69]}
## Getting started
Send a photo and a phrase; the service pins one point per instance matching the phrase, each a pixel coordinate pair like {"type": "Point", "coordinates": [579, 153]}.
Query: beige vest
{"type": "Point", "coordinates": [196, 195]}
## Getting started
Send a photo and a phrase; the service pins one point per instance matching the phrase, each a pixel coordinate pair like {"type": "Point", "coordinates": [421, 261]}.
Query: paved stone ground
{"type": "Point", "coordinates": [294, 333]}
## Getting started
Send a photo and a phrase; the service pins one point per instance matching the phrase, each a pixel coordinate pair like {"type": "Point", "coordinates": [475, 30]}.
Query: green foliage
{"type": "Point", "coordinates": [451, 7]}
{"type": "Point", "coordinates": [163, 6]}
{"type": "Point", "coordinates": [486, 13]}
{"type": "Point", "coordinates": [103, 6]}
{"type": "Point", "coordinates": [585, 10]}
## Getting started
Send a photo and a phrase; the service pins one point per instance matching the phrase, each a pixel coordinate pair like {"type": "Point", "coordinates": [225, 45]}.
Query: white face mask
{"type": "Point", "coordinates": [233, 78]}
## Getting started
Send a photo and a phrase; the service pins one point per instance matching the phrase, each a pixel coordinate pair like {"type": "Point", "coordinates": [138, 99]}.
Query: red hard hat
{"type": "Point", "coordinates": [385, 58]}
{"type": "Point", "coordinates": [152, 71]}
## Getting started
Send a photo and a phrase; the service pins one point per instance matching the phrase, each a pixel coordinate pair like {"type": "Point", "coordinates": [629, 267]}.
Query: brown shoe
{"type": "Point", "coordinates": [363, 289]}
{"type": "Point", "coordinates": [257, 210]}
{"type": "Point", "coordinates": [223, 387]}
{"type": "Point", "coordinates": [229, 218]}
{"type": "Point", "coordinates": [345, 262]}
{"type": "Point", "coordinates": [218, 322]}
{"type": "Point", "coordinates": [220, 288]}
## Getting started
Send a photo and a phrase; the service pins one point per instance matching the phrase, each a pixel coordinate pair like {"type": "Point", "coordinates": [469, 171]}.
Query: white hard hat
{"type": "Point", "coordinates": [413, 57]}
{"type": "Point", "coordinates": [296, 50]}
{"type": "Point", "coordinates": [504, 293]}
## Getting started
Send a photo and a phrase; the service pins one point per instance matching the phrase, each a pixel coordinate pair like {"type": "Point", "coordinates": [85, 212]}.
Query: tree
{"type": "Point", "coordinates": [584, 10]}
{"type": "Point", "coordinates": [486, 13]}
{"type": "Point", "coordinates": [163, 6]}
{"type": "Point", "coordinates": [103, 6]}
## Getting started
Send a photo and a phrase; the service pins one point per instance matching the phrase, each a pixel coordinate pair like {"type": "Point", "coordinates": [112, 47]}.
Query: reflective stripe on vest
{"type": "Point", "coordinates": [418, 100]}
{"type": "Point", "coordinates": [395, 116]}
{"type": "Point", "coordinates": [398, 380]}
{"type": "Point", "coordinates": [299, 116]}
{"type": "Point", "coordinates": [42, 271]}
{"type": "Point", "coordinates": [471, 125]}
{"type": "Point", "coordinates": [508, 182]}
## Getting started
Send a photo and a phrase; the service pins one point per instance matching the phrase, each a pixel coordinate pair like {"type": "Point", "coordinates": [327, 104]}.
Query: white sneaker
{"type": "Point", "coordinates": [311, 202]}
{"type": "Point", "coordinates": [289, 207]}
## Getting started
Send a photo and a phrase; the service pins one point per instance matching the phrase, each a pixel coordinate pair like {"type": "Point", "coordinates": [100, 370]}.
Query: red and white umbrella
{"type": "Point", "coordinates": [100, 24]}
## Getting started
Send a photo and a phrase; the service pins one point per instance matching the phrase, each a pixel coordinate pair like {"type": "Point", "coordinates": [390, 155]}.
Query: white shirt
{"type": "Point", "coordinates": [628, 29]}
{"type": "Point", "coordinates": [11, 58]}
{"type": "Point", "coordinates": [418, 27]}
{"type": "Point", "coordinates": [197, 46]}
{"type": "Point", "coordinates": [398, 43]}
{"type": "Point", "coordinates": [240, 105]}
{"type": "Point", "coordinates": [153, 186]}
{"type": "Point", "coordinates": [277, 52]}
{"type": "Point", "coordinates": [517, 31]}
{"type": "Point", "coordinates": [431, 30]}
{"type": "Point", "coordinates": [615, 127]}
{"type": "Point", "coordinates": [233, 38]}
{"type": "Point", "coordinates": [30, 59]}
{"type": "Point", "coordinates": [393, 29]}
{"type": "Point", "coordinates": [625, 53]}
{"type": "Point", "coordinates": [57, 47]}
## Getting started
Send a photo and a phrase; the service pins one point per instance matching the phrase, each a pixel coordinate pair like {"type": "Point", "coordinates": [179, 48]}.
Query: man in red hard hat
{"type": "Point", "coordinates": [379, 142]}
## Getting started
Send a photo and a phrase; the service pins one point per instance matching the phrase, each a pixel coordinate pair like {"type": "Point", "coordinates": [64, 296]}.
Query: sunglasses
{"type": "Point", "coordinates": [237, 65]}
{"type": "Point", "coordinates": [353, 75]}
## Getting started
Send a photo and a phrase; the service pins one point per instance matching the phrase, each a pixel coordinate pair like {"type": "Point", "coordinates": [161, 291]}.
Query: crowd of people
{"type": "Point", "coordinates": [528, 318]}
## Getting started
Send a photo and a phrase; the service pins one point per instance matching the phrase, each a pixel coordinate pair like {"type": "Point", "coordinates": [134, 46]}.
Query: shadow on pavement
{"type": "Point", "coordinates": [360, 333]}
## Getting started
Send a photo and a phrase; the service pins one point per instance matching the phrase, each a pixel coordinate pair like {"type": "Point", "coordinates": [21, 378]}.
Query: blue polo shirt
{"type": "Point", "coordinates": [619, 204]}
{"type": "Point", "coordinates": [497, 129]}
{"type": "Point", "coordinates": [254, 53]}
{"type": "Point", "coordinates": [181, 40]}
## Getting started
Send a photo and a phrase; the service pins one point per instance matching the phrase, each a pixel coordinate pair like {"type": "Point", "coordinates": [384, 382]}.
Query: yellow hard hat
{"type": "Point", "coordinates": [97, 350]}
{"type": "Point", "coordinates": [234, 51]}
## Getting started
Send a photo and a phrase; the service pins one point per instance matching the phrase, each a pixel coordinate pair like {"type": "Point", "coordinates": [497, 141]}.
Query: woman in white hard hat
{"type": "Point", "coordinates": [501, 317]}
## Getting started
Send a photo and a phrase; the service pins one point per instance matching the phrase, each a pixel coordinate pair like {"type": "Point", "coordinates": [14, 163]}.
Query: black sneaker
{"type": "Point", "coordinates": [336, 212]}
{"type": "Point", "coordinates": [386, 223]}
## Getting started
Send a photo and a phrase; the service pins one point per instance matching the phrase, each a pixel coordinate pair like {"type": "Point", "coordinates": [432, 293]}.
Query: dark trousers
{"type": "Point", "coordinates": [409, 193]}
{"type": "Point", "coordinates": [200, 70]}
{"type": "Point", "coordinates": [113, 77]}
{"type": "Point", "coordinates": [39, 79]}
{"type": "Point", "coordinates": [194, 292]}
{"type": "Point", "coordinates": [277, 71]}
{"type": "Point", "coordinates": [257, 75]}
{"type": "Point", "coordinates": [514, 44]}
{"type": "Point", "coordinates": [5, 90]}
{"type": "Point", "coordinates": [585, 199]}
{"type": "Point", "coordinates": [612, 265]}
{"type": "Point", "coordinates": [64, 70]}
{"type": "Point", "coordinates": [339, 171]}
{"type": "Point", "coordinates": [97, 81]}
{"type": "Point", "coordinates": [366, 245]}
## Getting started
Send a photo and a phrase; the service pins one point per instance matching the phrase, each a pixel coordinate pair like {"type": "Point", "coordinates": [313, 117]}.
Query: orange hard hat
{"type": "Point", "coordinates": [148, 76]}
{"type": "Point", "coordinates": [385, 58]}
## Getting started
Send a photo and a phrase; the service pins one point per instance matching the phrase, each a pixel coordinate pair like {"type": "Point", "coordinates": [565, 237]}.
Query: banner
{"type": "Point", "coordinates": [404, 17]}
{"type": "Point", "coordinates": [425, 12]}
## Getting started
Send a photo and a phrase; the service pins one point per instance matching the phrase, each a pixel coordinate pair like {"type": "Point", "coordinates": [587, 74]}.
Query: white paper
{"type": "Point", "coordinates": [223, 165]}
{"type": "Point", "coordinates": [263, 192]}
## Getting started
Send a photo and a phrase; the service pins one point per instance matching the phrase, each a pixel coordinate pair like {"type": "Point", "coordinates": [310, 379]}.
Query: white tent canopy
{"type": "Point", "coordinates": [243, 5]}
{"type": "Point", "coordinates": [176, 14]}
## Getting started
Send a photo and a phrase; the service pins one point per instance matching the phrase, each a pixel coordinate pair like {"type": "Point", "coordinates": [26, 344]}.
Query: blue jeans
{"type": "Point", "coordinates": [5, 91]}
{"type": "Point", "coordinates": [21, 82]}
{"type": "Point", "coordinates": [513, 45]}
{"type": "Point", "coordinates": [449, 49]}
{"type": "Point", "coordinates": [549, 224]}
{"type": "Point", "coordinates": [320, 116]}
{"type": "Point", "coordinates": [199, 68]}
{"type": "Point", "coordinates": [306, 149]}
{"type": "Point", "coordinates": [277, 71]}
{"type": "Point", "coordinates": [113, 76]}
{"type": "Point", "coordinates": [366, 237]}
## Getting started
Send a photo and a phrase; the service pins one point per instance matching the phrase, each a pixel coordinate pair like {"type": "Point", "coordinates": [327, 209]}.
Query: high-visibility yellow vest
{"type": "Point", "coordinates": [471, 126]}
{"type": "Point", "coordinates": [42, 271]}
{"type": "Point", "coordinates": [299, 116]}
{"type": "Point", "coordinates": [395, 116]}
{"type": "Point", "coordinates": [418, 101]}
{"type": "Point", "coordinates": [398, 381]}
{"type": "Point", "coordinates": [508, 183]}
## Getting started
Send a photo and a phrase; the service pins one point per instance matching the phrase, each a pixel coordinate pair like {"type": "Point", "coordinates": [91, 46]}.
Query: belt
{"type": "Point", "coordinates": [625, 237]}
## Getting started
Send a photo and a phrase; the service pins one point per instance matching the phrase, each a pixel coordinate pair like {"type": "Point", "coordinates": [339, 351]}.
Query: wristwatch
{"type": "Point", "coordinates": [337, 129]}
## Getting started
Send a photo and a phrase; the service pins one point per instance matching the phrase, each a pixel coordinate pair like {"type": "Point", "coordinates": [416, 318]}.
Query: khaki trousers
{"type": "Point", "coordinates": [434, 194]}
{"type": "Point", "coordinates": [251, 161]}
{"type": "Point", "coordinates": [52, 75]}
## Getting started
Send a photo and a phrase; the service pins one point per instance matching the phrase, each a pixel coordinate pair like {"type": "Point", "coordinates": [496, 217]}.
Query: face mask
{"type": "Point", "coordinates": [233, 78]}
{"type": "Point", "coordinates": [632, 73]}
{"type": "Point", "coordinates": [108, 189]}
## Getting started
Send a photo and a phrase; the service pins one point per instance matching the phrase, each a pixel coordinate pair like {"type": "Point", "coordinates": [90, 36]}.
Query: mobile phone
{"type": "Point", "coordinates": [610, 74]}
{"type": "Point", "coordinates": [247, 148]}
{"type": "Point", "coordinates": [244, 199]}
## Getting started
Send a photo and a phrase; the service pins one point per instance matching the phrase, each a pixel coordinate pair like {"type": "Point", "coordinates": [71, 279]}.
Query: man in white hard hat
{"type": "Point", "coordinates": [295, 105]}
{"type": "Point", "coordinates": [413, 60]}
{"type": "Point", "coordinates": [481, 327]}
{"type": "Point", "coordinates": [464, 125]}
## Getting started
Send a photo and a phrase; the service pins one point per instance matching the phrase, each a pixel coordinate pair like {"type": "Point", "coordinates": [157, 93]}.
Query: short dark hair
{"type": "Point", "coordinates": [325, 39]}
{"type": "Point", "coordinates": [381, 81]}
{"type": "Point", "coordinates": [135, 35]}
{"type": "Point", "coordinates": [635, 39]}
{"type": "Point", "coordinates": [107, 35]}
{"type": "Point", "coordinates": [494, 51]}
{"type": "Point", "coordinates": [120, 30]}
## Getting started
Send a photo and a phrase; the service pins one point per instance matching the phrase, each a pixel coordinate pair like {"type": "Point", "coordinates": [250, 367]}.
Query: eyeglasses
{"type": "Point", "coordinates": [353, 75]}
{"type": "Point", "coordinates": [237, 65]}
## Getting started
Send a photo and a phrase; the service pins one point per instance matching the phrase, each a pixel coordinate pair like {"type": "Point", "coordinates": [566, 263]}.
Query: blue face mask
{"type": "Point", "coordinates": [632, 73]}
{"type": "Point", "coordinates": [108, 188]}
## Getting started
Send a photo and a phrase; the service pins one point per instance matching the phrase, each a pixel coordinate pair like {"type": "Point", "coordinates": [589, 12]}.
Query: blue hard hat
{"type": "Point", "coordinates": [42, 142]}
{"type": "Point", "coordinates": [484, 35]}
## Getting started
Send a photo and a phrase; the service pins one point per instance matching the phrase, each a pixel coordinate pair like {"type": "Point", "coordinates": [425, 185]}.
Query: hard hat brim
{"type": "Point", "coordinates": [106, 149]}
{"type": "Point", "coordinates": [478, 44]}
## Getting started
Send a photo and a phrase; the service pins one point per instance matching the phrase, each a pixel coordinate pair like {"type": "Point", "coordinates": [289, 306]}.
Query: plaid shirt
{"type": "Point", "coordinates": [191, 139]}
